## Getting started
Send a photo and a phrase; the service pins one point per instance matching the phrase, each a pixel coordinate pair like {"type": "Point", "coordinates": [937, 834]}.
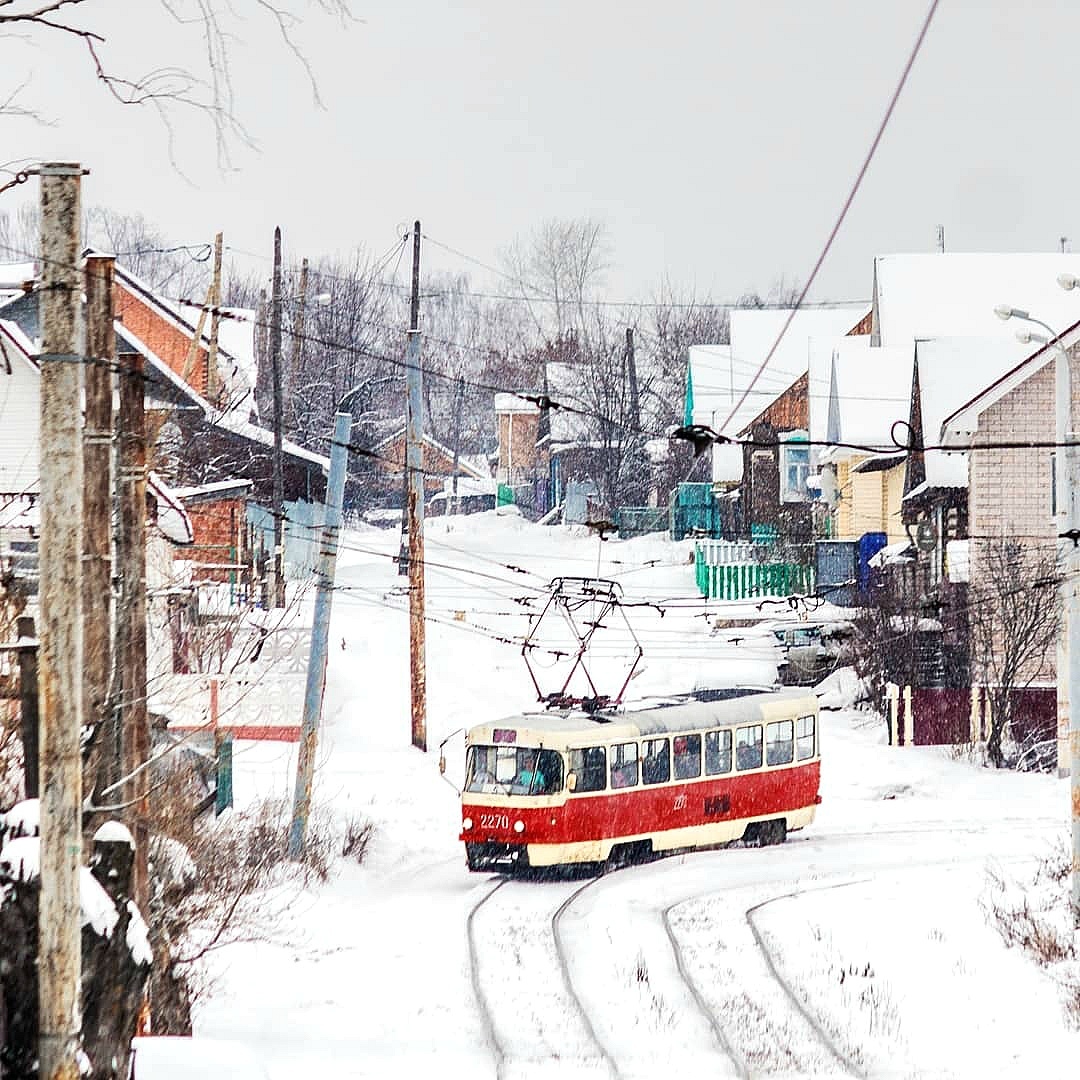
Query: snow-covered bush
{"type": "Point", "coordinates": [1037, 917]}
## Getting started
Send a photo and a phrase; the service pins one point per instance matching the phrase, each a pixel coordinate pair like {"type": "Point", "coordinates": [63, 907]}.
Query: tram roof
{"type": "Point", "coordinates": [654, 716]}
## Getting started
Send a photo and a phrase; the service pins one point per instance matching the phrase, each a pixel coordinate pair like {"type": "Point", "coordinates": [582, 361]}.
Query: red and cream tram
{"type": "Point", "coordinates": [551, 788]}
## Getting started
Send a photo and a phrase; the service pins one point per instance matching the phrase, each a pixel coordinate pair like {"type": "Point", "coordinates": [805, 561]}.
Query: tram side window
{"type": "Point", "coordinates": [590, 766]}
{"type": "Point", "coordinates": [656, 766]}
{"type": "Point", "coordinates": [687, 756]}
{"type": "Point", "coordinates": [624, 765]}
{"type": "Point", "coordinates": [804, 738]}
{"type": "Point", "coordinates": [748, 747]}
{"type": "Point", "coordinates": [780, 742]}
{"type": "Point", "coordinates": [717, 752]}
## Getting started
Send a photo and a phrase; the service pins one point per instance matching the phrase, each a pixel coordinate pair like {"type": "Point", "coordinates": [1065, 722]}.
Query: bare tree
{"type": "Point", "coordinates": [206, 87]}
{"type": "Point", "coordinates": [556, 271]}
{"type": "Point", "coordinates": [180, 270]}
{"type": "Point", "coordinates": [1014, 618]}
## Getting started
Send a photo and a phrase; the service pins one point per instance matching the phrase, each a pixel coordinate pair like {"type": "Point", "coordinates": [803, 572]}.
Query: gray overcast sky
{"type": "Point", "coordinates": [716, 140]}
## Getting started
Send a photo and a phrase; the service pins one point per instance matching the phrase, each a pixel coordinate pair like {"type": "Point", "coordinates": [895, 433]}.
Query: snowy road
{"type": "Point", "coordinates": [860, 947]}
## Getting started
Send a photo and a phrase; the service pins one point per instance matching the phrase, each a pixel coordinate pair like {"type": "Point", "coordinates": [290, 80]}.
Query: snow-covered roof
{"type": "Point", "coordinates": [466, 463]}
{"type": "Point", "coordinates": [954, 294]}
{"type": "Point", "coordinates": [467, 487]}
{"type": "Point", "coordinates": [16, 277]}
{"type": "Point", "coordinates": [236, 333]}
{"type": "Point", "coordinates": [207, 491]}
{"type": "Point", "coordinates": [954, 370]}
{"type": "Point", "coordinates": [892, 553]}
{"type": "Point", "coordinates": [513, 403]}
{"type": "Point", "coordinates": [172, 519]}
{"type": "Point", "coordinates": [753, 334]}
{"type": "Point", "coordinates": [946, 469]}
{"type": "Point", "coordinates": [958, 427]}
{"type": "Point", "coordinates": [873, 389]}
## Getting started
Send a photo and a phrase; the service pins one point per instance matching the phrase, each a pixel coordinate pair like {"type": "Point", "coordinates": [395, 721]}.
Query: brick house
{"type": "Point", "coordinates": [439, 463]}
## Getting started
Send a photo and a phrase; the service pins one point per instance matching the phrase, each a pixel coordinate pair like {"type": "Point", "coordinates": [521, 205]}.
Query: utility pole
{"type": "Point", "coordinates": [297, 357]}
{"type": "Point", "coordinates": [278, 599]}
{"type": "Point", "coordinates": [631, 378]}
{"type": "Point", "coordinates": [104, 765]}
{"type": "Point", "coordinates": [60, 658]}
{"type": "Point", "coordinates": [131, 613]}
{"type": "Point", "coordinates": [320, 631]}
{"type": "Point", "coordinates": [28, 701]}
{"type": "Point", "coordinates": [414, 470]}
{"type": "Point", "coordinates": [215, 320]}
{"type": "Point", "coordinates": [459, 408]}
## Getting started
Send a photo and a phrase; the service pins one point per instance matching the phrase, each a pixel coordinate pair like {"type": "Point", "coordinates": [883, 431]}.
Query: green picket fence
{"type": "Point", "coordinates": [746, 580]}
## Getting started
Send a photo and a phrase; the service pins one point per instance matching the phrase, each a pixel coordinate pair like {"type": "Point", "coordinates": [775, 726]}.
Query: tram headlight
{"type": "Point", "coordinates": [466, 823]}
{"type": "Point", "coordinates": [519, 826]}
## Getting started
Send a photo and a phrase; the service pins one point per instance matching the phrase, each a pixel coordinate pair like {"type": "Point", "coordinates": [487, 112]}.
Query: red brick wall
{"type": "Point", "coordinates": [219, 527]}
{"type": "Point", "coordinates": [159, 335]}
{"type": "Point", "coordinates": [521, 452]}
{"type": "Point", "coordinates": [435, 464]}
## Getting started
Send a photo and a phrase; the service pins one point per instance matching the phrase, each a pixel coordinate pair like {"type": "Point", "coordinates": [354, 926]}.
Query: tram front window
{"type": "Point", "coordinates": [513, 770]}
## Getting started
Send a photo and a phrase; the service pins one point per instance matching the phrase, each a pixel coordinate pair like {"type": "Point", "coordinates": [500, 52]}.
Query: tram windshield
{"type": "Point", "coordinates": [513, 770]}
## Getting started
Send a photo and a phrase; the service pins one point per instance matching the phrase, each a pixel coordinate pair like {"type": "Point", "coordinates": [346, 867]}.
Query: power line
{"type": "Point", "coordinates": [847, 202]}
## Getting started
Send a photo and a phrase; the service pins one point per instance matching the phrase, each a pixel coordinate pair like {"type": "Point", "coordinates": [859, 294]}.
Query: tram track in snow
{"type": "Point", "coordinates": [541, 1034]}
{"type": "Point", "coordinates": [826, 1039]}
{"type": "Point", "coordinates": [573, 1027]}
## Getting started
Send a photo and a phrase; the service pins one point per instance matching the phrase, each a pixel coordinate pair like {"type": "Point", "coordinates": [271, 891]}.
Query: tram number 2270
{"type": "Point", "coordinates": [494, 821]}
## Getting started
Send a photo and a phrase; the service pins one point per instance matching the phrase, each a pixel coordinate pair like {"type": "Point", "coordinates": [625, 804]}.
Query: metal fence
{"type": "Point", "coordinates": [729, 571]}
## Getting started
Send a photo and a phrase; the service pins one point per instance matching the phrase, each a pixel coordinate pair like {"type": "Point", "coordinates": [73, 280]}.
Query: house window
{"type": "Point", "coordinates": [794, 467]}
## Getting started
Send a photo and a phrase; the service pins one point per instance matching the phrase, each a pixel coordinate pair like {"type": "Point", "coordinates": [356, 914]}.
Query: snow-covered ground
{"type": "Point", "coordinates": [860, 947]}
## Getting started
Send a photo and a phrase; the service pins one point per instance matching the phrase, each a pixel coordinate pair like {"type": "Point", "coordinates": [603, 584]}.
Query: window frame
{"type": "Point", "coordinates": [647, 757]}
{"type": "Point", "coordinates": [687, 755]}
{"type": "Point", "coordinates": [616, 760]}
{"type": "Point", "coordinates": [759, 745]}
{"type": "Point", "coordinates": [770, 759]}
{"type": "Point", "coordinates": [730, 751]}
{"type": "Point", "coordinates": [586, 769]}
{"type": "Point", "coordinates": [799, 738]}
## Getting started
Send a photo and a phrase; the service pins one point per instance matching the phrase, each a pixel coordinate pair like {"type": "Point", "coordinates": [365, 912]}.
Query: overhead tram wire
{"type": "Point", "coordinates": [847, 202]}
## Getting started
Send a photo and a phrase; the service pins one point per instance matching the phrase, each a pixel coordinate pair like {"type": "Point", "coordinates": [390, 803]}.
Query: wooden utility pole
{"type": "Point", "coordinates": [104, 765]}
{"type": "Point", "coordinates": [278, 599]}
{"type": "Point", "coordinates": [414, 469]}
{"type": "Point", "coordinates": [28, 701]}
{"type": "Point", "coordinates": [631, 379]}
{"type": "Point", "coordinates": [131, 613]}
{"type": "Point", "coordinates": [296, 357]}
{"type": "Point", "coordinates": [60, 658]}
{"type": "Point", "coordinates": [215, 320]}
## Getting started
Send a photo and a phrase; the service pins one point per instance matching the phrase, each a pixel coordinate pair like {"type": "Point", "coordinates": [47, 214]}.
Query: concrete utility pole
{"type": "Point", "coordinates": [104, 765]}
{"type": "Point", "coordinates": [215, 320]}
{"type": "Point", "coordinates": [278, 599]}
{"type": "Point", "coordinates": [459, 409]}
{"type": "Point", "coordinates": [131, 613]}
{"type": "Point", "coordinates": [60, 659]}
{"type": "Point", "coordinates": [414, 468]}
{"type": "Point", "coordinates": [320, 630]}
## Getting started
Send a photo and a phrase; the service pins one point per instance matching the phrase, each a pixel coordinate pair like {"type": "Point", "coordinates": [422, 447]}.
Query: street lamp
{"type": "Point", "coordinates": [1068, 559]}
